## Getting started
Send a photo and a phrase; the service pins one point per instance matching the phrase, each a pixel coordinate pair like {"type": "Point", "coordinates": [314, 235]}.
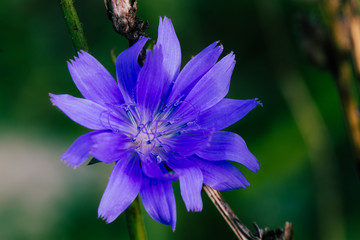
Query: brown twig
{"type": "Point", "coordinates": [122, 14]}
{"type": "Point", "coordinates": [240, 230]}
{"type": "Point", "coordinates": [232, 220]}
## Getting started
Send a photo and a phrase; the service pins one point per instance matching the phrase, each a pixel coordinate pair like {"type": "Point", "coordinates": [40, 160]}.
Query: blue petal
{"type": "Point", "coordinates": [212, 87]}
{"type": "Point", "coordinates": [187, 142]}
{"type": "Point", "coordinates": [88, 113]}
{"type": "Point", "coordinates": [171, 48]}
{"type": "Point", "coordinates": [127, 69]}
{"type": "Point", "coordinates": [124, 185]}
{"type": "Point", "coordinates": [152, 84]}
{"type": "Point", "coordinates": [85, 112]}
{"type": "Point", "coordinates": [229, 146]}
{"type": "Point", "coordinates": [226, 113]}
{"type": "Point", "coordinates": [191, 181]}
{"type": "Point", "coordinates": [79, 150]}
{"type": "Point", "coordinates": [109, 147]}
{"type": "Point", "coordinates": [159, 200]}
{"type": "Point", "coordinates": [152, 169]}
{"type": "Point", "coordinates": [194, 70]}
{"type": "Point", "coordinates": [93, 80]}
{"type": "Point", "coordinates": [220, 175]}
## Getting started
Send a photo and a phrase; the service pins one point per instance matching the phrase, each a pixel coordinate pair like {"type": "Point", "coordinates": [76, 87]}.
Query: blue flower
{"type": "Point", "coordinates": [158, 124]}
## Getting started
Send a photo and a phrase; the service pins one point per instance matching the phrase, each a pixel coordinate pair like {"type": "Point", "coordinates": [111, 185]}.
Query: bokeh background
{"type": "Point", "coordinates": [307, 173]}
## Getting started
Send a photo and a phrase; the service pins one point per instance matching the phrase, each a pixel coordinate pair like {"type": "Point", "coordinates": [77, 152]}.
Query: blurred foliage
{"type": "Point", "coordinates": [34, 48]}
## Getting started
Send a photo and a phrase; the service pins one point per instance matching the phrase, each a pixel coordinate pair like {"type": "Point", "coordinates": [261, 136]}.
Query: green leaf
{"type": "Point", "coordinates": [93, 161]}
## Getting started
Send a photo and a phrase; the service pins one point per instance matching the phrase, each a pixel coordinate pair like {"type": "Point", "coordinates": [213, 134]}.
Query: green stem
{"type": "Point", "coordinates": [74, 25]}
{"type": "Point", "coordinates": [135, 221]}
{"type": "Point", "coordinates": [133, 212]}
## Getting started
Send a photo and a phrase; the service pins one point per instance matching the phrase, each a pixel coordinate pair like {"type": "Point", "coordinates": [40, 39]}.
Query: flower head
{"type": "Point", "coordinates": [158, 124]}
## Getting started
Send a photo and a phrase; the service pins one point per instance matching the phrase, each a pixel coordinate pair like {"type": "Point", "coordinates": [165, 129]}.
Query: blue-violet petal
{"type": "Point", "coordinates": [128, 68]}
{"type": "Point", "coordinates": [194, 70]}
{"type": "Point", "coordinates": [171, 48]}
{"type": "Point", "coordinates": [226, 113]}
{"type": "Point", "coordinates": [159, 200]}
{"type": "Point", "coordinates": [109, 147]}
{"type": "Point", "coordinates": [229, 146]}
{"type": "Point", "coordinates": [93, 80]}
{"type": "Point", "coordinates": [123, 187]}
{"type": "Point", "coordinates": [220, 175]}
{"type": "Point", "coordinates": [79, 150]}
{"type": "Point", "coordinates": [152, 80]}
{"type": "Point", "coordinates": [212, 87]}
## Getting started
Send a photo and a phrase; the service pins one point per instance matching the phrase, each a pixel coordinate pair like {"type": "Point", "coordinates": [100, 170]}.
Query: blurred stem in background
{"type": "Point", "coordinates": [134, 217]}
{"type": "Point", "coordinates": [343, 24]}
{"type": "Point", "coordinates": [353, 11]}
{"type": "Point", "coordinates": [311, 125]}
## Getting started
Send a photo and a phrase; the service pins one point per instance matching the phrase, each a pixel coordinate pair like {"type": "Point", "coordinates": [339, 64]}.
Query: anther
{"type": "Point", "coordinates": [191, 123]}
{"type": "Point", "coordinates": [158, 159]}
{"type": "Point", "coordinates": [177, 134]}
{"type": "Point", "coordinates": [177, 103]}
{"type": "Point", "coordinates": [183, 125]}
{"type": "Point", "coordinates": [131, 116]}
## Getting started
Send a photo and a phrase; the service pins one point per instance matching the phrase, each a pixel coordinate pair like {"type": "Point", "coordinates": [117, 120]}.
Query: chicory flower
{"type": "Point", "coordinates": [158, 124]}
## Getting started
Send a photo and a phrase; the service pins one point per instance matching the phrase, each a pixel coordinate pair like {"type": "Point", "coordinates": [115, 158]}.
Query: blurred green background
{"type": "Point", "coordinates": [307, 173]}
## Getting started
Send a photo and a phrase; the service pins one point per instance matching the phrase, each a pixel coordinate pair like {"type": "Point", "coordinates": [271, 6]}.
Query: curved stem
{"type": "Point", "coordinates": [133, 212]}
{"type": "Point", "coordinates": [74, 26]}
{"type": "Point", "coordinates": [240, 230]}
{"type": "Point", "coordinates": [135, 221]}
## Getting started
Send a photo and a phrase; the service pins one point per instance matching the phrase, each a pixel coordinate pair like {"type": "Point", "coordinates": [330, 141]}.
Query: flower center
{"type": "Point", "coordinates": [151, 134]}
{"type": "Point", "coordinates": [145, 138]}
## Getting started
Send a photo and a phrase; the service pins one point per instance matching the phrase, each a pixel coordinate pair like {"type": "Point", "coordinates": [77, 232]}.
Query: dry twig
{"type": "Point", "coordinates": [240, 230]}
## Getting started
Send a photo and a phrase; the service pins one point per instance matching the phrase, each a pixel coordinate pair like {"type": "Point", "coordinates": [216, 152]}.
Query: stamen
{"type": "Point", "coordinates": [172, 108]}
{"type": "Point", "coordinates": [177, 134]}
{"type": "Point", "coordinates": [107, 118]}
{"type": "Point", "coordinates": [177, 103]}
{"type": "Point", "coordinates": [146, 132]}
{"type": "Point", "coordinates": [149, 123]}
{"type": "Point", "coordinates": [139, 116]}
{"type": "Point", "coordinates": [131, 116]}
{"type": "Point", "coordinates": [158, 159]}
{"type": "Point", "coordinates": [154, 133]}
{"type": "Point", "coordinates": [139, 128]}
{"type": "Point", "coordinates": [191, 123]}
{"type": "Point", "coordinates": [183, 125]}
